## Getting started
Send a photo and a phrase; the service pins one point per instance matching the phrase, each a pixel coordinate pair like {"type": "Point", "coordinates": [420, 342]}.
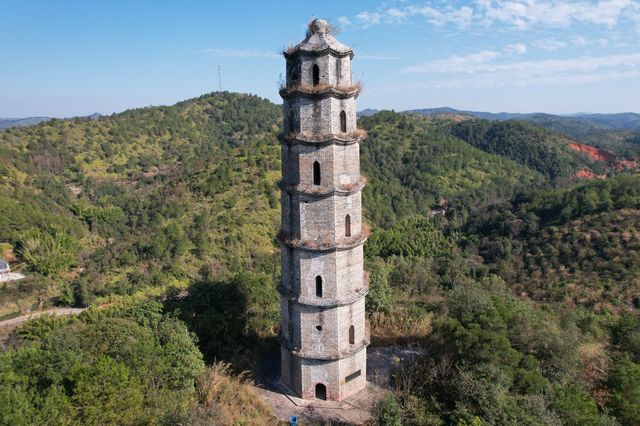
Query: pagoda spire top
{"type": "Point", "coordinates": [319, 41]}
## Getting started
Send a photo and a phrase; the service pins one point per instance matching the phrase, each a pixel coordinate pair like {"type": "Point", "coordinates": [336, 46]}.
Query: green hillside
{"type": "Point", "coordinates": [579, 246]}
{"type": "Point", "coordinates": [522, 285]}
{"type": "Point", "coordinates": [531, 146]}
{"type": "Point", "coordinates": [158, 196]}
{"type": "Point", "coordinates": [623, 141]}
{"type": "Point", "coordinates": [528, 311]}
{"type": "Point", "coordinates": [412, 163]}
{"type": "Point", "coordinates": [161, 193]}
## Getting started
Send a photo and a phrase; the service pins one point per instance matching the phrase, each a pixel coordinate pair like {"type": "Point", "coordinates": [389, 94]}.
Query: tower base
{"type": "Point", "coordinates": [331, 380]}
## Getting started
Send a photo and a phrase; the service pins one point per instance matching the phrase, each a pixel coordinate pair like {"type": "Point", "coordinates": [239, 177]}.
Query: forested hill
{"type": "Point", "coordinates": [534, 147]}
{"type": "Point", "coordinates": [154, 196]}
{"type": "Point", "coordinates": [519, 281]}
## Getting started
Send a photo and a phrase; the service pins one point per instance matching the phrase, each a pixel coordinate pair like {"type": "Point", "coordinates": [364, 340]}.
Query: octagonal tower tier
{"type": "Point", "coordinates": [323, 330]}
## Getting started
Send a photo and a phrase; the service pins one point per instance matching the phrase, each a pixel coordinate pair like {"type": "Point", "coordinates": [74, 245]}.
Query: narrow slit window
{"type": "Point", "coordinates": [352, 335]}
{"type": "Point", "coordinates": [316, 173]}
{"type": "Point", "coordinates": [316, 75]}
{"type": "Point", "coordinates": [291, 122]}
{"type": "Point", "coordinates": [318, 286]}
{"type": "Point", "coordinates": [343, 121]}
{"type": "Point", "coordinates": [353, 376]}
{"type": "Point", "coordinates": [347, 226]}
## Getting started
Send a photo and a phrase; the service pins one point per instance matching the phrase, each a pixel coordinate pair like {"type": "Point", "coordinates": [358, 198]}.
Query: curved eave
{"type": "Point", "coordinates": [360, 346]}
{"type": "Point", "coordinates": [320, 193]}
{"type": "Point", "coordinates": [318, 52]}
{"type": "Point", "coordinates": [321, 94]}
{"type": "Point", "coordinates": [310, 140]}
{"type": "Point", "coordinates": [320, 247]}
{"type": "Point", "coordinates": [322, 303]}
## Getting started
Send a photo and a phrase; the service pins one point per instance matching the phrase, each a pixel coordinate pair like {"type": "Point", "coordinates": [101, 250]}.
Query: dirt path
{"type": "Point", "coordinates": [55, 311]}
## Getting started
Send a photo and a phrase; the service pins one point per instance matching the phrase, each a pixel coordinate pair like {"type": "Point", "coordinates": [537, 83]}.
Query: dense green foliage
{"type": "Point", "coordinates": [578, 246]}
{"type": "Point", "coordinates": [162, 194]}
{"type": "Point", "coordinates": [412, 164]}
{"type": "Point", "coordinates": [494, 358]}
{"type": "Point", "coordinates": [524, 143]}
{"type": "Point", "coordinates": [131, 365]}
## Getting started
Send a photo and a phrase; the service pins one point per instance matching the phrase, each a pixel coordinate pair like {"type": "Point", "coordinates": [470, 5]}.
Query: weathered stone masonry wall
{"type": "Point", "coordinates": [323, 327]}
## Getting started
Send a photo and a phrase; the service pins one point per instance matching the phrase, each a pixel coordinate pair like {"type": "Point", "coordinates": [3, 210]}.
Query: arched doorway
{"type": "Point", "coordinates": [321, 392]}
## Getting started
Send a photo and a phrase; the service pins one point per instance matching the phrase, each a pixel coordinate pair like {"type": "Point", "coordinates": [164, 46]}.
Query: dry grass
{"type": "Point", "coordinates": [365, 229]}
{"type": "Point", "coordinates": [352, 186]}
{"type": "Point", "coordinates": [321, 87]}
{"type": "Point", "coordinates": [290, 49]}
{"type": "Point", "coordinates": [399, 326]}
{"type": "Point", "coordinates": [228, 399]}
{"type": "Point", "coordinates": [332, 29]}
{"type": "Point", "coordinates": [358, 133]}
{"type": "Point", "coordinates": [595, 362]}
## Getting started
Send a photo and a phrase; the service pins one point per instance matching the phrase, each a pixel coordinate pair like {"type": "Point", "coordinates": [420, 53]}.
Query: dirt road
{"type": "Point", "coordinates": [54, 311]}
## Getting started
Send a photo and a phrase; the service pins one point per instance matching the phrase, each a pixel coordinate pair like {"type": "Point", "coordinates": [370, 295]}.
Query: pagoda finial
{"type": "Point", "coordinates": [319, 26]}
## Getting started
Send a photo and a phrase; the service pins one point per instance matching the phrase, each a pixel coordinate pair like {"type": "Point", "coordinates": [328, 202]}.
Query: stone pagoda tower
{"type": "Point", "coordinates": [323, 332]}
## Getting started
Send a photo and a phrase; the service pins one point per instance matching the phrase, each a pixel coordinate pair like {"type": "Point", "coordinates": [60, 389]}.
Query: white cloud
{"type": "Point", "coordinates": [519, 14]}
{"type": "Point", "coordinates": [237, 53]}
{"type": "Point", "coordinates": [492, 81]}
{"type": "Point", "coordinates": [488, 68]}
{"type": "Point", "coordinates": [482, 62]}
{"type": "Point", "coordinates": [550, 44]}
{"type": "Point", "coordinates": [580, 41]}
{"type": "Point", "coordinates": [524, 14]}
{"type": "Point", "coordinates": [344, 21]}
{"type": "Point", "coordinates": [368, 19]}
{"type": "Point", "coordinates": [461, 17]}
{"type": "Point", "coordinates": [455, 64]}
{"type": "Point", "coordinates": [516, 49]}
{"type": "Point", "coordinates": [396, 14]}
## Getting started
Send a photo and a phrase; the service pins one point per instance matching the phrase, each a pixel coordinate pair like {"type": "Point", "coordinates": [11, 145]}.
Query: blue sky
{"type": "Point", "coordinates": [65, 58]}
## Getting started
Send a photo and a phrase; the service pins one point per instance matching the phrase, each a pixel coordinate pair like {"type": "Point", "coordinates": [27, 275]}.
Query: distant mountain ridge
{"type": "Point", "coordinates": [624, 120]}
{"type": "Point", "coordinates": [6, 123]}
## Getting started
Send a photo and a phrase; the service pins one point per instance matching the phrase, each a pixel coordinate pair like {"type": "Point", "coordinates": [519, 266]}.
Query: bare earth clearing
{"type": "Point", "coordinates": [356, 410]}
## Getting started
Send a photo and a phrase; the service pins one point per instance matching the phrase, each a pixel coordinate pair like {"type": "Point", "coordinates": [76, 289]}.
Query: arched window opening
{"type": "Point", "coordinates": [316, 173]}
{"type": "Point", "coordinates": [316, 75]}
{"type": "Point", "coordinates": [347, 226]}
{"type": "Point", "coordinates": [321, 392]}
{"type": "Point", "coordinates": [318, 286]}
{"type": "Point", "coordinates": [291, 122]}
{"type": "Point", "coordinates": [343, 121]}
{"type": "Point", "coordinates": [352, 335]}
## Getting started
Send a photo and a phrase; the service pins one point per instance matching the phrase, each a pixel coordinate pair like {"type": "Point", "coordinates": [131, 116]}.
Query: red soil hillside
{"type": "Point", "coordinates": [587, 174]}
{"type": "Point", "coordinates": [597, 154]}
{"type": "Point", "coordinates": [594, 153]}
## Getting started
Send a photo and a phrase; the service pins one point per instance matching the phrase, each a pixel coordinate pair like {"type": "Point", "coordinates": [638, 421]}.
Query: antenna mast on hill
{"type": "Point", "coordinates": [219, 78]}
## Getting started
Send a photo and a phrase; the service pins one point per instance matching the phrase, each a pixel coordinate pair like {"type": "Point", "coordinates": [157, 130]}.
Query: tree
{"type": "Point", "coordinates": [624, 383]}
{"type": "Point", "coordinates": [106, 393]}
